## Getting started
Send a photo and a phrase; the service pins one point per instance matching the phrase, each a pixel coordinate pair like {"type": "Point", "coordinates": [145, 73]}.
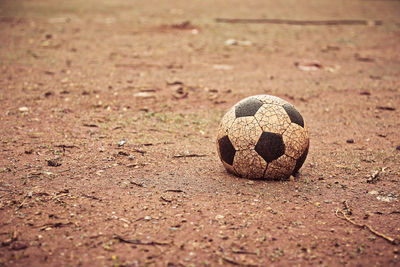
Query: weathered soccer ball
{"type": "Point", "coordinates": [263, 136]}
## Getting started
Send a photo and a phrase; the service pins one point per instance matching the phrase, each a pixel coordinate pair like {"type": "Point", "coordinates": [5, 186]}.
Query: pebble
{"type": "Point", "coordinates": [219, 217]}
{"type": "Point", "coordinates": [385, 198]}
{"type": "Point", "coordinates": [144, 95]}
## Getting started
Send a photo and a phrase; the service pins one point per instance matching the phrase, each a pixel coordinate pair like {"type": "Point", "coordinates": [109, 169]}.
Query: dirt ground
{"type": "Point", "coordinates": [109, 114]}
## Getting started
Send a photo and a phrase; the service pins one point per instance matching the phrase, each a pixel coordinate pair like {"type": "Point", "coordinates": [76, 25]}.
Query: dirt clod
{"type": "Point", "coordinates": [54, 162]}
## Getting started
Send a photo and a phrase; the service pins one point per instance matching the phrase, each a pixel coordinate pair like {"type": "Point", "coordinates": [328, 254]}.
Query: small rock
{"type": "Point", "coordinates": [367, 215]}
{"type": "Point", "coordinates": [122, 142]}
{"type": "Point", "coordinates": [147, 218]}
{"type": "Point", "coordinates": [230, 42]}
{"type": "Point", "coordinates": [48, 94]}
{"type": "Point", "coordinates": [29, 151]}
{"type": "Point", "coordinates": [385, 198]}
{"type": "Point", "coordinates": [374, 177]}
{"type": "Point", "coordinates": [53, 163]}
{"type": "Point", "coordinates": [145, 95]}
{"type": "Point", "coordinates": [219, 217]}
{"type": "Point", "coordinates": [222, 67]}
{"type": "Point", "coordinates": [23, 109]}
{"type": "Point", "coordinates": [373, 192]}
{"type": "Point", "coordinates": [350, 141]}
{"type": "Point", "coordinates": [309, 65]}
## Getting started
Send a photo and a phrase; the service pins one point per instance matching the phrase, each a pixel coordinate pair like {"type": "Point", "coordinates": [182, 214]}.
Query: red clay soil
{"type": "Point", "coordinates": [109, 114]}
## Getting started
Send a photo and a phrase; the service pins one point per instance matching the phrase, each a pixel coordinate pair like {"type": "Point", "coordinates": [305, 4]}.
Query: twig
{"type": "Point", "coordinates": [233, 262]}
{"type": "Point", "coordinates": [138, 242]}
{"type": "Point", "coordinates": [165, 199]}
{"type": "Point", "coordinates": [66, 146]}
{"type": "Point", "coordinates": [302, 22]}
{"type": "Point", "coordinates": [56, 197]}
{"type": "Point", "coordinates": [55, 225]}
{"type": "Point", "coordinates": [372, 230]}
{"type": "Point", "coordinates": [244, 252]}
{"type": "Point", "coordinates": [175, 190]}
{"type": "Point", "coordinates": [21, 205]}
{"type": "Point", "coordinates": [135, 66]}
{"type": "Point", "coordinates": [139, 151]}
{"type": "Point", "coordinates": [228, 260]}
{"type": "Point", "coordinates": [136, 183]}
{"type": "Point", "coordinates": [190, 156]}
{"type": "Point", "coordinates": [91, 125]}
{"type": "Point", "coordinates": [386, 108]}
{"type": "Point", "coordinates": [67, 170]}
{"type": "Point", "coordinates": [91, 197]}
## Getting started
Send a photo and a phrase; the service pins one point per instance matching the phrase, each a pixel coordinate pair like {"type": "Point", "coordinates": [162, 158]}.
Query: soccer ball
{"type": "Point", "coordinates": [263, 136]}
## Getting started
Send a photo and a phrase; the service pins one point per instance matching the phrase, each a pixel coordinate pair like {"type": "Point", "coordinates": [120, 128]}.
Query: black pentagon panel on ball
{"type": "Point", "coordinates": [270, 146]}
{"type": "Point", "coordinates": [301, 160]}
{"type": "Point", "coordinates": [226, 149]}
{"type": "Point", "coordinates": [294, 115]}
{"type": "Point", "coordinates": [248, 107]}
